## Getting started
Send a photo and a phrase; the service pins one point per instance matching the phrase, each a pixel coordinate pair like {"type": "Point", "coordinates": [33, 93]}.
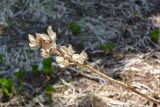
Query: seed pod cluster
{"type": "Point", "coordinates": [48, 46]}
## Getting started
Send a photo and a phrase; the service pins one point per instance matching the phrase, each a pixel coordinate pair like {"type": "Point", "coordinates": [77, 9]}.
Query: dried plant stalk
{"type": "Point", "coordinates": [90, 68]}
{"type": "Point", "coordinates": [66, 56]}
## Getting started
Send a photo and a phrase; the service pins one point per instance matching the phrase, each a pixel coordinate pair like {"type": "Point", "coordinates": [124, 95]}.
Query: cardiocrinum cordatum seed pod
{"type": "Point", "coordinates": [48, 46]}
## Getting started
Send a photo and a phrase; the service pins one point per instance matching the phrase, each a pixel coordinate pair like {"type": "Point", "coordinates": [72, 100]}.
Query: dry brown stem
{"type": "Point", "coordinates": [91, 69]}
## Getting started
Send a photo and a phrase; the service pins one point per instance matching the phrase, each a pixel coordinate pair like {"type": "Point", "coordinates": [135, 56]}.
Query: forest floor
{"type": "Point", "coordinates": [88, 25]}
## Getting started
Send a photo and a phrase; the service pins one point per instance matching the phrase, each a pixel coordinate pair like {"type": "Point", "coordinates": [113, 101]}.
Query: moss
{"type": "Point", "coordinates": [75, 28]}
{"type": "Point", "coordinates": [155, 35]}
{"type": "Point", "coordinates": [108, 47]}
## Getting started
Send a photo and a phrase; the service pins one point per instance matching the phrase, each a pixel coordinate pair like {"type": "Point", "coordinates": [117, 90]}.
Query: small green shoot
{"type": "Point", "coordinates": [155, 35]}
{"type": "Point", "coordinates": [75, 28]}
{"type": "Point", "coordinates": [47, 66]}
{"type": "Point", "coordinates": [108, 47]}
{"type": "Point", "coordinates": [20, 74]}
{"type": "Point", "coordinates": [7, 86]}
{"type": "Point", "coordinates": [49, 90]}
{"type": "Point", "coordinates": [35, 70]}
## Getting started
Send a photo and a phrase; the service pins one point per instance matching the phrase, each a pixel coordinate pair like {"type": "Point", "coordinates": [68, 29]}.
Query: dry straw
{"type": "Point", "coordinates": [66, 56]}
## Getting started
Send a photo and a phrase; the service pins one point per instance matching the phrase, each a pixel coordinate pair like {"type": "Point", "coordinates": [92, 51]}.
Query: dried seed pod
{"type": "Point", "coordinates": [33, 43]}
{"type": "Point", "coordinates": [53, 45]}
{"type": "Point", "coordinates": [70, 50]}
{"type": "Point", "coordinates": [81, 60]}
{"type": "Point", "coordinates": [67, 52]}
{"type": "Point", "coordinates": [47, 46]}
{"type": "Point", "coordinates": [45, 37]}
{"type": "Point", "coordinates": [31, 38]}
{"type": "Point", "coordinates": [64, 50]}
{"type": "Point", "coordinates": [34, 46]}
{"type": "Point", "coordinates": [54, 51]}
{"type": "Point", "coordinates": [78, 58]}
{"type": "Point", "coordinates": [39, 38]}
{"type": "Point", "coordinates": [84, 55]}
{"type": "Point", "coordinates": [45, 54]}
{"type": "Point", "coordinates": [59, 59]}
{"type": "Point", "coordinates": [51, 33]}
{"type": "Point", "coordinates": [62, 62]}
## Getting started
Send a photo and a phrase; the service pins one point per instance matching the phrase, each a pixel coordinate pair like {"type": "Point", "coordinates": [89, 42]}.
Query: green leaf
{"type": "Point", "coordinates": [108, 47]}
{"type": "Point", "coordinates": [35, 70]}
{"type": "Point", "coordinates": [7, 86]}
{"type": "Point", "coordinates": [155, 35]}
{"type": "Point", "coordinates": [47, 66]}
{"type": "Point", "coordinates": [20, 74]}
{"type": "Point", "coordinates": [75, 28]}
{"type": "Point", "coordinates": [49, 90]}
